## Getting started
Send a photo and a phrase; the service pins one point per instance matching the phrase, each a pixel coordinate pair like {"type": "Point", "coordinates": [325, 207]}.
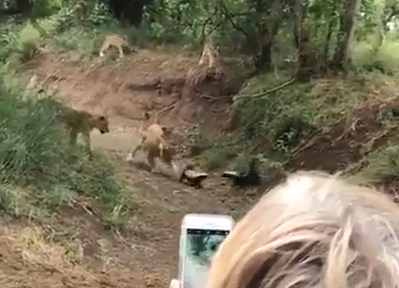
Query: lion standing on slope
{"type": "Point", "coordinates": [82, 122]}
{"type": "Point", "coordinates": [115, 40]}
{"type": "Point", "coordinates": [78, 122]}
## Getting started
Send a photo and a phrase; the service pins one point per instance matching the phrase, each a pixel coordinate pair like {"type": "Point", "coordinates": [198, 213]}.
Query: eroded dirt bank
{"type": "Point", "coordinates": [146, 256]}
{"type": "Point", "coordinates": [152, 81]}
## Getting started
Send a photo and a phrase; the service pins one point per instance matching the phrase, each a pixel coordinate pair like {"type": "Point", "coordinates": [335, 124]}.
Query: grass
{"type": "Point", "coordinates": [35, 155]}
{"type": "Point", "coordinates": [381, 164]}
{"type": "Point", "coordinates": [290, 113]}
{"type": "Point", "coordinates": [38, 250]}
{"type": "Point", "coordinates": [39, 171]}
{"type": "Point", "coordinates": [274, 126]}
{"type": "Point", "coordinates": [271, 127]}
{"type": "Point", "coordinates": [31, 249]}
{"type": "Point", "coordinates": [32, 258]}
{"type": "Point", "coordinates": [43, 178]}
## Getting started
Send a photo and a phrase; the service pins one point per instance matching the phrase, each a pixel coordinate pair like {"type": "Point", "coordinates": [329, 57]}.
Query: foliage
{"type": "Point", "coordinates": [378, 166]}
{"type": "Point", "coordinates": [39, 170]}
{"type": "Point", "coordinates": [279, 121]}
{"type": "Point", "coordinates": [238, 25]}
{"type": "Point", "coordinates": [35, 155]}
{"type": "Point", "coordinates": [384, 59]}
{"type": "Point", "coordinates": [282, 39]}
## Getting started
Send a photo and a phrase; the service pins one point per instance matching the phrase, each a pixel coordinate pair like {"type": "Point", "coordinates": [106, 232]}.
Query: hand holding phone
{"type": "Point", "coordinates": [174, 284]}
{"type": "Point", "coordinates": [201, 235]}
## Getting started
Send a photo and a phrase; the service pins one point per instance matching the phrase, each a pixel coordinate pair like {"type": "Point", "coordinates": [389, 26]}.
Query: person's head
{"type": "Point", "coordinates": [314, 230]}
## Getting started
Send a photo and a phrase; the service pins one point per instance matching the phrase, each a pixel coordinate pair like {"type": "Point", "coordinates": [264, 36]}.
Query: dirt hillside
{"type": "Point", "coordinates": [149, 81]}
{"type": "Point", "coordinates": [147, 255]}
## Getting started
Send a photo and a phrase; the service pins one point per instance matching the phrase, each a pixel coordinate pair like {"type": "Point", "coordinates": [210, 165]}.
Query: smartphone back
{"type": "Point", "coordinates": [201, 235]}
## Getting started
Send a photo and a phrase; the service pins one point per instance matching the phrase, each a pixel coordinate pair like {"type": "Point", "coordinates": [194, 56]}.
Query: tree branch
{"type": "Point", "coordinates": [264, 93]}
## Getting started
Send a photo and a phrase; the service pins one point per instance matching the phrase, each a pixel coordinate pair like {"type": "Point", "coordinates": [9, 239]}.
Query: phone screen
{"type": "Point", "coordinates": [200, 246]}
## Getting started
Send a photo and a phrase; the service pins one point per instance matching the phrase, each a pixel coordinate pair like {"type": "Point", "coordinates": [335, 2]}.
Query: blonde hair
{"type": "Point", "coordinates": [314, 230]}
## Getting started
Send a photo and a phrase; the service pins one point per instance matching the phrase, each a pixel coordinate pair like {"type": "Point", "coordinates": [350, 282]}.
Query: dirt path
{"type": "Point", "coordinates": [148, 257]}
{"type": "Point", "coordinates": [158, 218]}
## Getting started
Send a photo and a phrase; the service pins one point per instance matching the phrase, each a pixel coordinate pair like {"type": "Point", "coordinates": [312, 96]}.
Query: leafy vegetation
{"type": "Point", "coordinates": [35, 156]}
{"type": "Point", "coordinates": [39, 171]}
{"type": "Point", "coordinates": [320, 93]}
{"type": "Point", "coordinates": [305, 41]}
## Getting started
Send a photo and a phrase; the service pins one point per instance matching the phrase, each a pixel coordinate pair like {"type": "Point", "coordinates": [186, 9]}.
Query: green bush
{"type": "Point", "coordinates": [378, 166]}
{"type": "Point", "coordinates": [20, 44]}
{"type": "Point", "coordinates": [35, 154]}
{"type": "Point", "coordinates": [385, 58]}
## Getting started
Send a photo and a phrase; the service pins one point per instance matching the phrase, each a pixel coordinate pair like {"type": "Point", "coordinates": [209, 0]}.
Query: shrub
{"type": "Point", "coordinates": [35, 154]}
{"type": "Point", "coordinates": [385, 58]}
{"type": "Point", "coordinates": [379, 165]}
{"type": "Point", "coordinates": [20, 45]}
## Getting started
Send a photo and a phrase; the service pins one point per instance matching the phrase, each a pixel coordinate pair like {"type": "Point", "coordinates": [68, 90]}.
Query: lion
{"type": "Point", "coordinates": [154, 143]}
{"type": "Point", "coordinates": [82, 122]}
{"type": "Point", "coordinates": [211, 52]}
{"type": "Point", "coordinates": [115, 40]}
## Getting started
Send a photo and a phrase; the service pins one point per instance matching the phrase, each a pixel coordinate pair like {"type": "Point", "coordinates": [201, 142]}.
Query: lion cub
{"type": "Point", "coordinates": [211, 52]}
{"type": "Point", "coordinates": [115, 40]}
{"type": "Point", "coordinates": [82, 122]}
{"type": "Point", "coordinates": [154, 143]}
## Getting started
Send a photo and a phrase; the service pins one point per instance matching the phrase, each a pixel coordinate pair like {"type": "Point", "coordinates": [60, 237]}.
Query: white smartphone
{"type": "Point", "coordinates": [201, 235]}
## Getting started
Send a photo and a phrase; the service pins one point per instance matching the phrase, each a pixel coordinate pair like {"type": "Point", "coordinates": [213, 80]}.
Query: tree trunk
{"type": "Point", "coordinates": [306, 58]}
{"type": "Point", "coordinates": [25, 6]}
{"type": "Point", "coordinates": [128, 10]}
{"type": "Point", "coordinates": [306, 66]}
{"type": "Point", "coordinates": [332, 25]}
{"type": "Point", "coordinates": [263, 60]}
{"type": "Point", "coordinates": [346, 31]}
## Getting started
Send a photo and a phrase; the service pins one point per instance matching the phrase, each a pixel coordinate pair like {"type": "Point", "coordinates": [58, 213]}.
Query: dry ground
{"type": "Point", "coordinates": [75, 251]}
{"type": "Point", "coordinates": [146, 256]}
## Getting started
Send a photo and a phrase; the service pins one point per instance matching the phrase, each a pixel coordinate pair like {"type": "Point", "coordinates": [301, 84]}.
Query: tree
{"type": "Point", "coordinates": [347, 24]}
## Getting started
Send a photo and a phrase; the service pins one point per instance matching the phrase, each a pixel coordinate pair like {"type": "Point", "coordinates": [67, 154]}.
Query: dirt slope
{"type": "Point", "coordinates": [123, 89]}
{"type": "Point", "coordinates": [147, 256]}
